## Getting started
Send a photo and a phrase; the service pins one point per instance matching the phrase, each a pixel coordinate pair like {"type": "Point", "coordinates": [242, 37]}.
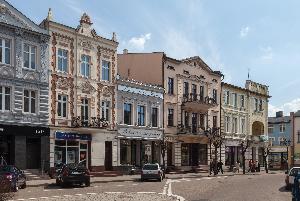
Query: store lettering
{"type": "Point", "coordinates": [39, 131]}
{"type": "Point", "coordinates": [129, 132]}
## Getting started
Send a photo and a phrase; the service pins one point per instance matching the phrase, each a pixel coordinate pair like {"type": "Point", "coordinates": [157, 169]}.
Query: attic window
{"type": "Point", "coordinates": [214, 80]}
{"type": "Point", "coordinates": [170, 67]}
{"type": "Point", "coordinates": [186, 72]}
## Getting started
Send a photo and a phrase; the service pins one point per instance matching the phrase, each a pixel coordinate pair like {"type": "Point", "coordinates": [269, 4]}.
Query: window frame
{"type": "Point", "coordinates": [86, 61]}
{"type": "Point", "coordinates": [130, 113]}
{"type": "Point", "coordinates": [64, 69]}
{"type": "Point", "coordinates": [281, 128]}
{"type": "Point", "coordinates": [104, 69]}
{"type": "Point", "coordinates": [152, 117]}
{"type": "Point", "coordinates": [61, 102]}
{"type": "Point", "coordinates": [3, 49]}
{"type": "Point", "coordinates": [3, 98]}
{"type": "Point", "coordinates": [141, 115]}
{"type": "Point", "coordinates": [30, 98]}
{"type": "Point", "coordinates": [105, 110]}
{"type": "Point", "coordinates": [170, 114]}
{"type": "Point", "coordinates": [84, 106]}
{"type": "Point", "coordinates": [30, 46]}
{"type": "Point", "coordinates": [242, 99]}
{"type": "Point", "coordinates": [170, 85]}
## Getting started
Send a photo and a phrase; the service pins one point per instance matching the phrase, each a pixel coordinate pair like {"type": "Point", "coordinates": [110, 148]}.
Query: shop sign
{"type": "Point", "coordinates": [24, 130]}
{"type": "Point", "coordinates": [72, 136]}
{"type": "Point", "coordinates": [171, 138]}
{"type": "Point", "coordinates": [232, 143]}
{"type": "Point", "coordinates": [142, 133]}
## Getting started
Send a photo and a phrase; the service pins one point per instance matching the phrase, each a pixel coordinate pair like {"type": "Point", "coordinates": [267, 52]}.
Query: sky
{"type": "Point", "coordinates": [235, 37]}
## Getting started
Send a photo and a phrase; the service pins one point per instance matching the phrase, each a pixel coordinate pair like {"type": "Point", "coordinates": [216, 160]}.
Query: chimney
{"type": "Point", "coordinates": [114, 37]}
{"type": "Point", "coordinates": [125, 51]}
{"type": "Point", "coordinates": [279, 114]}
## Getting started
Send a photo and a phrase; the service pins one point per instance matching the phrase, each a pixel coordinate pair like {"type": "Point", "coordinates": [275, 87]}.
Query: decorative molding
{"type": "Point", "coordinates": [6, 71]}
{"type": "Point", "coordinates": [87, 88]}
{"type": "Point", "coordinates": [53, 98]}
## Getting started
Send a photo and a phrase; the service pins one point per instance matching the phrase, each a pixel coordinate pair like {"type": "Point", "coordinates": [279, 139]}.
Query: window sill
{"type": "Point", "coordinates": [171, 126]}
{"type": "Point", "coordinates": [6, 65]}
{"type": "Point", "coordinates": [29, 69]}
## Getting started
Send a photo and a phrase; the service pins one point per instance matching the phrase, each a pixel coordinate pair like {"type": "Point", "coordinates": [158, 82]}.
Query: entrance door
{"type": "Point", "coordinates": [194, 154]}
{"type": "Point", "coordinates": [169, 153]}
{"type": "Point", "coordinates": [33, 153]}
{"type": "Point", "coordinates": [108, 155]}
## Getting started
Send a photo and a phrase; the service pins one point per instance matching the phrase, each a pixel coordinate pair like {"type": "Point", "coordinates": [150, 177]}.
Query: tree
{"type": "Point", "coordinates": [244, 150]}
{"type": "Point", "coordinates": [266, 150]}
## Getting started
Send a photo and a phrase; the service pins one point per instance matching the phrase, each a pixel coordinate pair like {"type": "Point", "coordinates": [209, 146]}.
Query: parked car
{"type": "Point", "coordinates": [54, 172]}
{"type": "Point", "coordinates": [152, 171]}
{"type": "Point", "coordinates": [73, 173]}
{"type": "Point", "coordinates": [13, 176]}
{"type": "Point", "coordinates": [290, 176]}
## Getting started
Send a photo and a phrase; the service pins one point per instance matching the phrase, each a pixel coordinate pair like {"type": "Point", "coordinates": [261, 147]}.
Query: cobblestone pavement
{"type": "Point", "coordinates": [265, 187]}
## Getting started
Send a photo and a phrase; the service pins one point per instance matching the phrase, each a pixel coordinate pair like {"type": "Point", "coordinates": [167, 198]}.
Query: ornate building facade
{"type": "Point", "coordinates": [244, 115]}
{"type": "Point", "coordinates": [82, 95]}
{"type": "Point", "coordinates": [24, 135]}
{"type": "Point", "coordinates": [140, 122]}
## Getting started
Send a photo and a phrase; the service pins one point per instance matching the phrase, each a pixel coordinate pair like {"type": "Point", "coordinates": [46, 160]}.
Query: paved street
{"type": "Point", "coordinates": [192, 187]}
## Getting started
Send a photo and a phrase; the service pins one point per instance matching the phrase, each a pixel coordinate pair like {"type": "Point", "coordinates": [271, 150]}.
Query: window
{"type": "Point", "coordinates": [62, 60]}
{"type": "Point", "coordinates": [234, 125]}
{"type": "Point", "coordinates": [186, 119]}
{"type": "Point", "coordinates": [242, 125]}
{"type": "Point", "coordinates": [29, 56]}
{"type": "Point", "coordinates": [271, 140]}
{"type": "Point", "coordinates": [5, 51]}
{"type": "Point", "coordinates": [62, 106]}
{"type": "Point", "coordinates": [85, 65]}
{"type": "Point", "coordinates": [270, 129]}
{"type": "Point", "coordinates": [154, 117]}
{"type": "Point", "coordinates": [282, 128]}
{"type": "Point", "coordinates": [105, 70]}
{"type": "Point", "coordinates": [201, 93]}
{"type": "Point", "coordinates": [202, 121]}
{"type": "Point", "coordinates": [170, 117]}
{"type": "Point", "coordinates": [215, 95]}
{"type": "Point", "coordinates": [85, 110]}
{"type": "Point", "coordinates": [234, 99]}
{"type": "Point", "coordinates": [280, 140]}
{"type": "Point", "coordinates": [186, 89]}
{"type": "Point", "coordinates": [170, 85]}
{"type": "Point", "coordinates": [260, 105]}
{"type": "Point", "coordinates": [194, 122]}
{"type": "Point", "coordinates": [105, 110]}
{"type": "Point", "coordinates": [5, 97]}
{"type": "Point", "coordinates": [29, 101]}
{"type": "Point", "coordinates": [227, 96]}
{"type": "Point", "coordinates": [127, 113]}
{"type": "Point", "coordinates": [141, 115]}
{"type": "Point", "coordinates": [194, 91]}
{"type": "Point", "coordinates": [255, 104]}
{"type": "Point", "coordinates": [227, 124]}
{"type": "Point", "coordinates": [242, 101]}
{"type": "Point", "coordinates": [214, 121]}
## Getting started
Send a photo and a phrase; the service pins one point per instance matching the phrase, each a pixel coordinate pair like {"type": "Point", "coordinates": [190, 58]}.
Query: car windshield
{"type": "Point", "coordinates": [294, 171]}
{"type": "Point", "coordinates": [150, 167]}
{"type": "Point", "coordinates": [6, 169]}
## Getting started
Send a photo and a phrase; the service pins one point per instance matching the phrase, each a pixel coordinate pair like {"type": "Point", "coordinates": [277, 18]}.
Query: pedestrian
{"type": "Point", "coordinates": [253, 166]}
{"type": "Point", "coordinates": [220, 167]}
{"type": "Point", "coordinates": [211, 167]}
{"type": "Point", "coordinates": [237, 166]}
{"type": "Point", "coordinates": [258, 166]}
{"type": "Point", "coordinates": [250, 165]}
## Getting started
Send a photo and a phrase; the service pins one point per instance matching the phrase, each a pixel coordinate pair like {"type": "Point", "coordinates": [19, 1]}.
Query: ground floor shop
{"type": "Point", "coordinates": [277, 158]}
{"type": "Point", "coordinates": [27, 147]}
{"type": "Point", "coordinates": [94, 148]}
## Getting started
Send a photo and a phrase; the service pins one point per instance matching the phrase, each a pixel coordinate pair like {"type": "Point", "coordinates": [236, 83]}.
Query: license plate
{"type": "Point", "coordinates": [76, 173]}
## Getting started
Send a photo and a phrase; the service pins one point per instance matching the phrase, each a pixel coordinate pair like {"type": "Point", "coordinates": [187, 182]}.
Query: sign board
{"type": "Point", "coordinates": [72, 136]}
{"type": "Point", "coordinates": [142, 133]}
{"type": "Point", "coordinates": [148, 149]}
{"type": "Point", "coordinates": [232, 143]}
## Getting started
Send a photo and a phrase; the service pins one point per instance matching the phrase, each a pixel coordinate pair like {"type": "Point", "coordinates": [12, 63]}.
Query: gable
{"type": "Point", "coordinates": [10, 15]}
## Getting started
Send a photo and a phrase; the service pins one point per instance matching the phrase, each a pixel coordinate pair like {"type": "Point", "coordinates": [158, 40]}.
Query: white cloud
{"type": "Point", "coordinates": [73, 5]}
{"type": "Point", "coordinates": [292, 106]}
{"type": "Point", "coordinates": [267, 53]}
{"type": "Point", "coordinates": [244, 32]}
{"type": "Point", "coordinates": [138, 43]}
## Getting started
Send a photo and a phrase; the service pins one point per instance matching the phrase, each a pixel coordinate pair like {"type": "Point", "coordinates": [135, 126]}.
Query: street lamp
{"type": "Point", "coordinates": [287, 143]}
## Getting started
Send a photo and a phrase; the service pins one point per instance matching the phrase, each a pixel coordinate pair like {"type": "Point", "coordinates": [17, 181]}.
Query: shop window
{"type": "Point", "coordinates": [105, 70]}
{"type": "Point", "coordinates": [62, 106]}
{"type": "Point", "coordinates": [105, 110]}
{"type": "Point", "coordinates": [5, 98]}
{"type": "Point", "coordinates": [203, 154]}
{"type": "Point", "coordinates": [141, 115]}
{"type": "Point", "coordinates": [154, 117]}
{"type": "Point", "coordinates": [184, 154]}
{"type": "Point", "coordinates": [29, 101]}
{"type": "Point", "coordinates": [85, 65]}
{"type": "Point", "coordinates": [170, 117]}
{"type": "Point", "coordinates": [69, 151]}
{"type": "Point", "coordinates": [127, 113]}
{"type": "Point", "coordinates": [29, 56]}
{"type": "Point", "coordinates": [5, 51]}
{"type": "Point", "coordinates": [62, 60]}
{"type": "Point", "coordinates": [125, 152]}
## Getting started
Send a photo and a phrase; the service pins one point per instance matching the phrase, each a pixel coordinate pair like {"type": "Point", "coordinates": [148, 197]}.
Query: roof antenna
{"type": "Point", "coordinates": [248, 73]}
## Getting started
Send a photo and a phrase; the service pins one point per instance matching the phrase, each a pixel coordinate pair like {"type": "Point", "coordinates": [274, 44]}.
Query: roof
{"type": "Point", "coordinates": [297, 114]}
{"type": "Point", "coordinates": [277, 120]}
{"type": "Point", "coordinates": [244, 89]}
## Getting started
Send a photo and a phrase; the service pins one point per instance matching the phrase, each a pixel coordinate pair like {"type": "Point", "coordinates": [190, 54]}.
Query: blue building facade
{"type": "Point", "coordinates": [280, 132]}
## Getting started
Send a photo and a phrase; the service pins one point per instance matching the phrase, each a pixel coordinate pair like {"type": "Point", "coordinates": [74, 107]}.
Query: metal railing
{"type": "Point", "coordinates": [198, 98]}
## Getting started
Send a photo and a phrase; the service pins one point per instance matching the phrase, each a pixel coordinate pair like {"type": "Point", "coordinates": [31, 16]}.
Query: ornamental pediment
{"type": "Point", "coordinates": [87, 88]}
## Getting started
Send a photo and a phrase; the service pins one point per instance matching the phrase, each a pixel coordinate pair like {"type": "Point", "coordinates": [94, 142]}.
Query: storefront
{"type": "Point", "coordinates": [72, 148]}
{"type": "Point", "coordinates": [139, 146]}
{"type": "Point", "coordinates": [193, 154]}
{"type": "Point", "coordinates": [233, 152]}
{"type": "Point", "coordinates": [25, 146]}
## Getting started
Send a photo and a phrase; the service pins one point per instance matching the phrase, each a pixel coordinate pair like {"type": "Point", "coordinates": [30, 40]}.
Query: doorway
{"type": "Point", "coordinates": [33, 153]}
{"type": "Point", "coordinates": [169, 153]}
{"type": "Point", "coordinates": [108, 156]}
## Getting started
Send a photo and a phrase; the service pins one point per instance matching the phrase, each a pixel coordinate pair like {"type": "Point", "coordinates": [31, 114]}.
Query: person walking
{"type": "Point", "coordinates": [220, 167]}
{"type": "Point", "coordinates": [237, 166]}
{"type": "Point", "coordinates": [250, 165]}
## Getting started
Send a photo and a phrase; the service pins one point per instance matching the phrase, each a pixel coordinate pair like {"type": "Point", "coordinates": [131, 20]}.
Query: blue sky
{"type": "Point", "coordinates": [231, 36]}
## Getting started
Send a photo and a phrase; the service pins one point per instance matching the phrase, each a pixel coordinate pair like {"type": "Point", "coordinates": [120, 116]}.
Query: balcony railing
{"type": "Point", "coordinates": [197, 102]}
{"type": "Point", "coordinates": [191, 129]}
{"type": "Point", "coordinates": [92, 122]}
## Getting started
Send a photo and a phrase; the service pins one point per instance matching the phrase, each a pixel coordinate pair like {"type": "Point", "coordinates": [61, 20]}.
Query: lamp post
{"type": "Point", "coordinates": [287, 143]}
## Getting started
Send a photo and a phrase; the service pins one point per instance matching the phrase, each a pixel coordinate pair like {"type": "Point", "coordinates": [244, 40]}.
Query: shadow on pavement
{"type": "Point", "coordinates": [283, 189]}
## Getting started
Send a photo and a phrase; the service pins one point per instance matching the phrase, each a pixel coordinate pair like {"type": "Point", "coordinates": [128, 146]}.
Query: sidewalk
{"type": "Point", "coordinates": [124, 178]}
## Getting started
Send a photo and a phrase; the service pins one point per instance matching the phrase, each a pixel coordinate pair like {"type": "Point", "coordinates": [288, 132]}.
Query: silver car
{"type": "Point", "coordinates": [152, 171]}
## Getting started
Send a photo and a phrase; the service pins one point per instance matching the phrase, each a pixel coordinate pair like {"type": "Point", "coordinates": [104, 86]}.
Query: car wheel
{"type": "Point", "coordinates": [57, 182]}
{"type": "Point", "coordinates": [24, 185]}
{"type": "Point", "coordinates": [160, 178]}
{"type": "Point", "coordinates": [88, 183]}
{"type": "Point", "coordinates": [15, 188]}
{"type": "Point", "coordinates": [63, 184]}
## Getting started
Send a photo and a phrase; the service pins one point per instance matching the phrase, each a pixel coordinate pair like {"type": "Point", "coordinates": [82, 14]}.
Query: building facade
{"type": "Point", "coordinates": [191, 102]}
{"type": "Point", "coordinates": [82, 95]}
{"type": "Point", "coordinates": [140, 123]}
{"type": "Point", "coordinates": [295, 124]}
{"type": "Point", "coordinates": [244, 115]}
{"type": "Point", "coordinates": [24, 134]}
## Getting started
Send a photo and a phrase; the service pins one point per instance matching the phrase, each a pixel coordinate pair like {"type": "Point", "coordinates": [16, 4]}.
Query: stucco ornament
{"type": "Point", "coordinates": [106, 91]}
{"type": "Point", "coordinates": [6, 71]}
{"type": "Point", "coordinates": [63, 83]}
{"type": "Point", "coordinates": [86, 87]}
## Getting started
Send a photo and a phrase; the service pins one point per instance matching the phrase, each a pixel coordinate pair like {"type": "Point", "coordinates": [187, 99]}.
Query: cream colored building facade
{"type": "Point", "coordinates": [244, 116]}
{"type": "Point", "coordinates": [295, 124]}
{"type": "Point", "coordinates": [82, 95]}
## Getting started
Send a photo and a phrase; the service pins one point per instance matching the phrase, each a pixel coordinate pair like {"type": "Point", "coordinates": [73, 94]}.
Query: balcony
{"type": "Point", "coordinates": [92, 122]}
{"type": "Point", "coordinates": [193, 130]}
{"type": "Point", "coordinates": [197, 102]}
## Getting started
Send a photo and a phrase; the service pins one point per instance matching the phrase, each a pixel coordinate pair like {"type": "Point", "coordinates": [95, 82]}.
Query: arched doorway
{"type": "Point", "coordinates": [257, 128]}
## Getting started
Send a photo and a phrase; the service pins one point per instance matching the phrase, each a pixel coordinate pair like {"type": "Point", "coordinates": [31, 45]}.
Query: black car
{"type": "Point", "coordinates": [14, 177]}
{"type": "Point", "coordinates": [73, 173]}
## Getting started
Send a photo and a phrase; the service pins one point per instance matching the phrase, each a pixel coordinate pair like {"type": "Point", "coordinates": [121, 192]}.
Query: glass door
{"type": "Point", "coordinates": [83, 153]}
